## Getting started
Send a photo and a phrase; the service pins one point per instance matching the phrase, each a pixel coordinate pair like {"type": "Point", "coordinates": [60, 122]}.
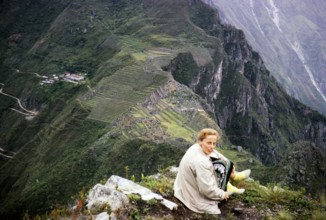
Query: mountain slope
{"type": "Point", "coordinates": [131, 115]}
{"type": "Point", "coordinates": [249, 104]}
{"type": "Point", "coordinates": [290, 36]}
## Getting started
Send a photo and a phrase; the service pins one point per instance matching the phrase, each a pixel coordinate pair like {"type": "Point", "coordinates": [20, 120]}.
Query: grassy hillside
{"type": "Point", "coordinates": [127, 117]}
{"type": "Point", "coordinates": [270, 202]}
{"type": "Point", "coordinates": [125, 111]}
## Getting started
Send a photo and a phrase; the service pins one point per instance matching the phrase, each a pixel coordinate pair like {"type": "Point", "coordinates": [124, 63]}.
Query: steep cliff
{"type": "Point", "coordinates": [249, 104]}
{"type": "Point", "coordinates": [290, 36]}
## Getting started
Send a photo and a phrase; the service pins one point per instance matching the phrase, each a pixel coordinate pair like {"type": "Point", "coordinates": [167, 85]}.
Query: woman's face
{"type": "Point", "coordinates": [208, 143]}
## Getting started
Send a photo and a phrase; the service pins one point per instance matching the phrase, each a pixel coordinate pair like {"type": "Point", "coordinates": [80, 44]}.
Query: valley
{"type": "Point", "coordinates": [143, 77]}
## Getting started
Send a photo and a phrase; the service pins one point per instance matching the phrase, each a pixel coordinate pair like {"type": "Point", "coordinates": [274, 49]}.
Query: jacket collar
{"type": "Point", "coordinates": [214, 155]}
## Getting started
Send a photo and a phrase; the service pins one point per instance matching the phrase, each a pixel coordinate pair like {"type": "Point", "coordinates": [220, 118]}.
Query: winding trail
{"type": "Point", "coordinates": [3, 151]}
{"type": "Point", "coordinates": [4, 155]}
{"type": "Point", "coordinates": [31, 113]}
{"type": "Point", "coordinates": [38, 75]}
{"type": "Point", "coordinates": [23, 113]}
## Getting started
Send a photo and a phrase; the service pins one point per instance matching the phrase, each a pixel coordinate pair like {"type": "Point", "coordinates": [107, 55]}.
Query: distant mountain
{"type": "Point", "coordinates": [94, 88]}
{"type": "Point", "coordinates": [291, 37]}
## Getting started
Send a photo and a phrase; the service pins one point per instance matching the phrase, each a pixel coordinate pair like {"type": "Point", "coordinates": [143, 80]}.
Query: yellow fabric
{"type": "Point", "coordinates": [242, 175]}
{"type": "Point", "coordinates": [232, 189]}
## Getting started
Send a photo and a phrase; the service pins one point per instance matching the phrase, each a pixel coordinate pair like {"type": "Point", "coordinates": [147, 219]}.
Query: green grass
{"type": "Point", "coordinates": [295, 201]}
{"type": "Point", "coordinates": [120, 92]}
{"type": "Point", "coordinates": [73, 144]}
{"type": "Point", "coordinates": [272, 202]}
{"type": "Point", "coordinates": [176, 125]}
{"type": "Point", "coordinates": [142, 57]}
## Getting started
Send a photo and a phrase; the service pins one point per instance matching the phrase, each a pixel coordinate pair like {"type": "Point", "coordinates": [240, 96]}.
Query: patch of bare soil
{"type": "Point", "coordinates": [231, 209]}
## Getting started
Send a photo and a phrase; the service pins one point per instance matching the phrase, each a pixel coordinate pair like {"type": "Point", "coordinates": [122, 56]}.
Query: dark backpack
{"type": "Point", "coordinates": [223, 169]}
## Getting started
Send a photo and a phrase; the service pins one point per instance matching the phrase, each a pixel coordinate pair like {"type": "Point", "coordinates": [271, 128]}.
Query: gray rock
{"type": "Point", "coordinates": [112, 197]}
{"type": "Point", "coordinates": [102, 198]}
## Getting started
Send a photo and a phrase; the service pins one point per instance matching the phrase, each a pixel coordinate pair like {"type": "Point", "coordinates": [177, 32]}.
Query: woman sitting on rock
{"type": "Point", "coordinates": [202, 179]}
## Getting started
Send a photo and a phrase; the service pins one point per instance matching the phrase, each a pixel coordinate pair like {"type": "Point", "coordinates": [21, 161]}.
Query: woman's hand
{"type": "Point", "coordinates": [226, 196]}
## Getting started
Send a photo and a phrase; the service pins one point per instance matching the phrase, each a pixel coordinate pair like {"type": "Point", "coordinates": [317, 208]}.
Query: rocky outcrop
{"type": "Point", "coordinates": [288, 35]}
{"type": "Point", "coordinates": [304, 165]}
{"type": "Point", "coordinates": [86, 132]}
{"type": "Point", "coordinates": [317, 133]}
{"type": "Point", "coordinates": [247, 101]}
{"type": "Point", "coordinates": [106, 198]}
{"type": "Point", "coordinates": [112, 198]}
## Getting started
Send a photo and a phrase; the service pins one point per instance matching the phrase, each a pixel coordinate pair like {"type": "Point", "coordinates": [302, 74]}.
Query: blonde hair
{"type": "Point", "coordinates": [205, 132]}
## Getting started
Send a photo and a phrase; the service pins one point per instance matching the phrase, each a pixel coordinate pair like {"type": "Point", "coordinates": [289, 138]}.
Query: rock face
{"type": "Point", "coordinates": [289, 36]}
{"type": "Point", "coordinates": [130, 113]}
{"type": "Point", "coordinates": [106, 198]}
{"type": "Point", "coordinates": [304, 165]}
{"type": "Point", "coordinates": [112, 197]}
{"type": "Point", "coordinates": [248, 102]}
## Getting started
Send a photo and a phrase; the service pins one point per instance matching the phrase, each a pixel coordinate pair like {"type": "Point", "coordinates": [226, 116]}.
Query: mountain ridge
{"type": "Point", "coordinates": [289, 36]}
{"type": "Point", "coordinates": [130, 110]}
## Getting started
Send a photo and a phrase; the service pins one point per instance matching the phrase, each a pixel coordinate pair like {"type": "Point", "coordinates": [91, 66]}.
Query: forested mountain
{"type": "Point", "coordinates": [95, 88]}
{"type": "Point", "coordinates": [291, 38]}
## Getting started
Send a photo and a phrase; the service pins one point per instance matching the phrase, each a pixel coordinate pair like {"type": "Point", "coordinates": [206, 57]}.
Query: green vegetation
{"type": "Point", "coordinates": [270, 202]}
{"type": "Point", "coordinates": [129, 118]}
{"type": "Point", "coordinates": [162, 183]}
{"type": "Point", "coordinates": [185, 69]}
{"type": "Point", "coordinates": [296, 203]}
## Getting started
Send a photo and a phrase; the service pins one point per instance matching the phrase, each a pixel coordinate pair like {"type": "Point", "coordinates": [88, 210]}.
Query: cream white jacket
{"type": "Point", "coordinates": [196, 181]}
